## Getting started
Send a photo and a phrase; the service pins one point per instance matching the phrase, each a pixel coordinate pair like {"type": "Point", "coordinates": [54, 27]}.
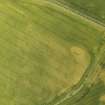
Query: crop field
{"type": "Point", "coordinates": [50, 55]}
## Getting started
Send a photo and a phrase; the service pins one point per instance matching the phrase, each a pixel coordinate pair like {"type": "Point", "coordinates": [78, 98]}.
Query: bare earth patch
{"type": "Point", "coordinates": [82, 59]}
{"type": "Point", "coordinates": [102, 98]}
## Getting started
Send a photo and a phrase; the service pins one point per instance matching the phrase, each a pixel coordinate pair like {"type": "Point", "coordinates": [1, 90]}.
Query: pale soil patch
{"type": "Point", "coordinates": [102, 98]}
{"type": "Point", "coordinates": [102, 75]}
{"type": "Point", "coordinates": [80, 55]}
{"type": "Point", "coordinates": [82, 59]}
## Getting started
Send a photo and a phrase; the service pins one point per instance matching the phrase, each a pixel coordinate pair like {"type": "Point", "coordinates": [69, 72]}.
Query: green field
{"type": "Point", "coordinates": [92, 8]}
{"type": "Point", "coordinates": [49, 55]}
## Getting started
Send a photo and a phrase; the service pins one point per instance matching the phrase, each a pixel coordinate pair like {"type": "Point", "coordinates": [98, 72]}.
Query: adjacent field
{"type": "Point", "coordinates": [45, 49]}
{"type": "Point", "coordinates": [92, 8]}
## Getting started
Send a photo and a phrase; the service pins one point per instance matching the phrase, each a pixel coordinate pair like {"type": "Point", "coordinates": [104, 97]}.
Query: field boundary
{"type": "Point", "coordinates": [80, 13]}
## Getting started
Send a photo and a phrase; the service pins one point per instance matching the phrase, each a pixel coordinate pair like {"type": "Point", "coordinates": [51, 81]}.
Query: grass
{"type": "Point", "coordinates": [44, 50]}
